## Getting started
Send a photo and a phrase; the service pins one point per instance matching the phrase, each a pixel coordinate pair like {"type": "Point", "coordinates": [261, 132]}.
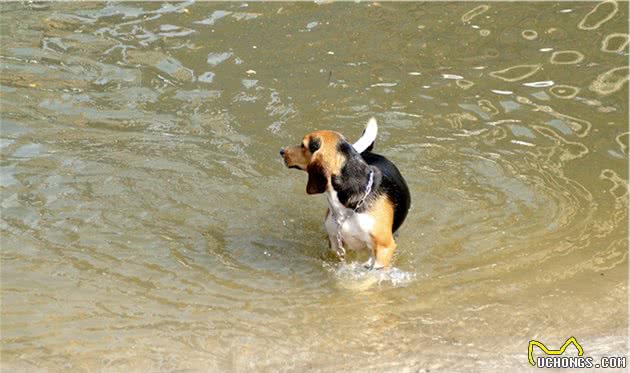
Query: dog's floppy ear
{"type": "Point", "coordinates": [317, 179]}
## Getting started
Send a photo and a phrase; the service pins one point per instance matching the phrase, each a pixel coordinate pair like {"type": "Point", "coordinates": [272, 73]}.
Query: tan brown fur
{"type": "Point", "coordinates": [327, 161]}
{"type": "Point", "coordinates": [327, 157]}
{"type": "Point", "coordinates": [383, 244]}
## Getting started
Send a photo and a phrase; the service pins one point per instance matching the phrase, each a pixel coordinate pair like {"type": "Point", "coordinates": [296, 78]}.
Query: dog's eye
{"type": "Point", "coordinates": [314, 145]}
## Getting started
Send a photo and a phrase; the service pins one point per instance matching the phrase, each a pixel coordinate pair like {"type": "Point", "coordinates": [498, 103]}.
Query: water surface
{"type": "Point", "coordinates": [148, 223]}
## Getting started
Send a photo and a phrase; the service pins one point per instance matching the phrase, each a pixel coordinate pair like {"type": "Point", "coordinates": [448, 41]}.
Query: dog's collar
{"type": "Point", "coordinates": [341, 251]}
{"type": "Point", "coordinates": [368, 190]}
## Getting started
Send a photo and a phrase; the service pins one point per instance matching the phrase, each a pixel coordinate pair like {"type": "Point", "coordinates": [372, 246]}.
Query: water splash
{"type": "Point", "coordinates": [355, 276]}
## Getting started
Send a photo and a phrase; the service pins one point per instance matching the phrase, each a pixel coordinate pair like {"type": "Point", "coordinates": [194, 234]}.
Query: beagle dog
{"type": "Point", "coordinates": [367, 196]}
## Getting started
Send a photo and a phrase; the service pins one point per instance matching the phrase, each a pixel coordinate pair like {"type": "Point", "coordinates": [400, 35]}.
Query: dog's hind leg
{"type": "Point", "coordinates": [384, 255]}
{"type": "Point", "coordinates": [382, 242]}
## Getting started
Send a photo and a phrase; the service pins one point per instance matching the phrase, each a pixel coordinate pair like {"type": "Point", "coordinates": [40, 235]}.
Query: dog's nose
{"type": "Point", "coordinates": [282, 151]}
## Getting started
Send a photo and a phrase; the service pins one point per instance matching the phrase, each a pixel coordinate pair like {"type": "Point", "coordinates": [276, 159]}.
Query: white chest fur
{"type": "Point", "coordinates": [355, 227]}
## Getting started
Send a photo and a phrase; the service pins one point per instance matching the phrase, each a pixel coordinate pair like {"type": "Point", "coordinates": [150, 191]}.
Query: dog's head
{"type": "Point", "coordinates": [319, 155]}
{"type": "Point", "coordinates": [323, 153]}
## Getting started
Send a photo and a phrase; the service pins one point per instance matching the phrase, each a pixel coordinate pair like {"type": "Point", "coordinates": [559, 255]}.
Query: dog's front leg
{"type": "Point", "coordinates": [369, 264]}
{"type": "Point", "coordinates": [331, 229]}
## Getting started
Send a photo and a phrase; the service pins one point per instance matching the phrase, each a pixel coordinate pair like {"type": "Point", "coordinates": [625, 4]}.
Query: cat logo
{"type": "Point", "coordinates": [560, 351]}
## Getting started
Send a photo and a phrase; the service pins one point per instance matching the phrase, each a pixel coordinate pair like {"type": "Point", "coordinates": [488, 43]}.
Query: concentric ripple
{"type": "Point", "coordinates": [148, 223]}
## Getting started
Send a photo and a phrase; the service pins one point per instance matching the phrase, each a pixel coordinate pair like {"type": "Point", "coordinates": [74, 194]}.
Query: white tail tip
{"type": "Point", "coordinates": [368, 137]}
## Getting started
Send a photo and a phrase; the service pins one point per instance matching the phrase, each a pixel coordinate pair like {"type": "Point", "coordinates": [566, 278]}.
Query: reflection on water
{"type": "Point", "coordinates": [148, 224]}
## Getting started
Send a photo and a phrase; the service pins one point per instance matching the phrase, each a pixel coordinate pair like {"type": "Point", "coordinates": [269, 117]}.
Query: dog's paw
{"type": "Point", "coordinates": [378, 265]}
{"type": "Point", "coordinates": [369, 264]}
{"type": "Point", "coordinates": [329, 255]}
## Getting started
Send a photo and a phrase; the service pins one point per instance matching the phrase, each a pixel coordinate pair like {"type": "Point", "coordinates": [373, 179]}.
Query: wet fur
{"type": "Point", "coordinates": [352, 182]}
{"type": "Point", "coordinates": [334, 167]}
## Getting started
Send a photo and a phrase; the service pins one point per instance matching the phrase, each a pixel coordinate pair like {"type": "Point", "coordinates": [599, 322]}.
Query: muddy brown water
{"type": "Point", "coordinates": [148, 223]}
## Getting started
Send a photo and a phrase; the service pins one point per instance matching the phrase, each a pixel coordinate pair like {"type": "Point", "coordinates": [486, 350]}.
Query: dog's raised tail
{"type": "Point", "coordinates": [366, 142]}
